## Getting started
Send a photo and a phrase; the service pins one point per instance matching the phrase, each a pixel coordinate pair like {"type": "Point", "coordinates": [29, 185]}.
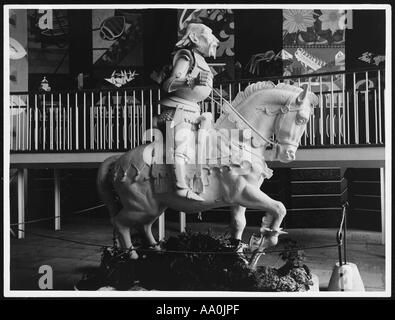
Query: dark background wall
{"type": "Point", "coordinates": [258, 31]}
{"type": "Point", "coordinates": [160, 36]}
{"type": "Point", "coordinates": [367, 34]}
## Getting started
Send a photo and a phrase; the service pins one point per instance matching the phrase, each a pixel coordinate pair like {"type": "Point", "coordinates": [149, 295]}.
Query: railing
{"type": "Point", "coordinates": [350, 113]}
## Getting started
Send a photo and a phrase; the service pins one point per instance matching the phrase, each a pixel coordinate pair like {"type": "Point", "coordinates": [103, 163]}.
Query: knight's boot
{"type": "Point", "coordinates": [182, 187]}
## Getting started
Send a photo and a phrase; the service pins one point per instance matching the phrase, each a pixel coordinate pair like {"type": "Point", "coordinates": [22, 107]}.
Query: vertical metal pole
{"type": "Point", "coordinates": [125, 122]}
{"type": "Point", "coordinates": [183, 221]}
{"type": "Point", "coordinates": [134, 119]}
{"type": "Point", "coordinates": [84, 121]}
{"type": "Point", "coordinates": [71, 127]}
{"type": "Point", "coordinates": [344, 107]}
{"type": "Point", "coordinates": [348, 118]}
{"type": "Point", "coordinates": [36, 123]}
{"type": "Point", "coordinates": [345, 234]}
{"type": "Point", "coordinates": [57, 198]}
{"type": "Point", "coordinates": [58, 122]}
{"type": "Point", "coordinates": [332, 116]}
{"type": "Point", "coordinates": [44, 117]}
{"type": "Point", "coordinates": [76, 123]}
{"type": "Point", "coordinates": [161, 226]}
{"type": "Point", "coordinates": [51, 125]}
{"type": "Point", "coordinates": [64, 127]}
{"type": "Point", "coordinates": [92, 135]}
{"type": "Point", "coordinates": [321, 106]}
{"type": "Point", "coordinates": [68, 121]}
{"type": "Point", "coordinates": [356, 129]}
{"type": "Point", "coordinates": [11, 127]}
{"type": "Point", "coordinates": [29, 125]}
{"type": "Point", "coordinates": [117, 115]}
{"type": "Point", "coordinates": [110, 134]}
{"type": "Point", "coordinates": [150, 114]}
{"type": "Point", "coordinates": [143, 116]}
{"type": "Point", "coordinates": [367, 131]}
{"type": "Point", "coordinates": [130, 110]}
{"type": "Point", "coordinates": [379, 93]}
{"type": "Point", "coordinates": [22, 126]}
{"type": "Point", "coordinates": [376, 138]}
{"type": "Point", "coordinates": [16, 117]}
{"type": "Point", "coordinates": [382, 202]}
{"type": "Point", "coordinates": [21, 204]}
{"type": "Point", "coordinates": [100, 120]}
{"type": "Point", "coordinates": [339, 117]}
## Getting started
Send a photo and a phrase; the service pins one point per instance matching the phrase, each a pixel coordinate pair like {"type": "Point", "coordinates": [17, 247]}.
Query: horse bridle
{"type": "Point", "coordinates": [284, 109]}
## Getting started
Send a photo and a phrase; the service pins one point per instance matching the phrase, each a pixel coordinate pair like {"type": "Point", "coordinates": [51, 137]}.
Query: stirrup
{"type": "Point", "coordinates": [189, 194]}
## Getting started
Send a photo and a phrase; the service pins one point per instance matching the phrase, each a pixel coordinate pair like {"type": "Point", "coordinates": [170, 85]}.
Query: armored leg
{"type": "Point", "coordinates": [183, 189]}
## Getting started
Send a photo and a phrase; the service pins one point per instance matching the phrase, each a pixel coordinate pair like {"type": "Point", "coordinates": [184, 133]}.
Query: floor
{"type": "Point", "coordinates": [70, 261]}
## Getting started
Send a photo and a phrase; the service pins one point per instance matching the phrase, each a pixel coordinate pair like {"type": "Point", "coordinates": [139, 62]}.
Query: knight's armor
{"type": "Point", "coordinates": [182, 109]}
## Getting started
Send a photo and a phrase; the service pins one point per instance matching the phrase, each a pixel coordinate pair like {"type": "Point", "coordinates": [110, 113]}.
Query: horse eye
{"type": "Point", "coordinates": [301, 121]}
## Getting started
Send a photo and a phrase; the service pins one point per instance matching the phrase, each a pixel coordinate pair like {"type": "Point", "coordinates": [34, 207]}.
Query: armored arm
{"type": "Point", "coordinates": [179, 78]}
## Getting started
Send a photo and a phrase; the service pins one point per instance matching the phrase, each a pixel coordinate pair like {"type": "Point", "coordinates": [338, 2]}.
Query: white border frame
{"type": "Point", "coordinates": [183, 294]}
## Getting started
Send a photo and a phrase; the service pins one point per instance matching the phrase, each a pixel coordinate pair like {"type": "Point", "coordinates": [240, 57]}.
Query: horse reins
{"type": "Point", "coordinates": [285, 109]}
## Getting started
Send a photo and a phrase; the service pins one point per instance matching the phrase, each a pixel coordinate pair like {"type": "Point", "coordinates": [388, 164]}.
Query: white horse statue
{"type": "Point", "coordinates": [137, 190]}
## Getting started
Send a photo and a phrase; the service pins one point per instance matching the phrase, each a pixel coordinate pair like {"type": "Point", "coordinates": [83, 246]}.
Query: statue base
{"type": "Point", "coordinates": [194, 262]}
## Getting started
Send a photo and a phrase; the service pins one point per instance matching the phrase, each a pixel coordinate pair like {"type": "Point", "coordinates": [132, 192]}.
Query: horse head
{"type": "Point", "coordinates": [281, 110]}
{"type": "Point", "coordinates": [291, 122]}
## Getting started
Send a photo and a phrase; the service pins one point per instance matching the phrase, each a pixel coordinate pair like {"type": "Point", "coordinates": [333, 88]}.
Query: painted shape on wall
{"type": "Point", "coordinates": [117, 38]}
{"type": "Point", "coordinates": [48, 43]}
{"type": "Point", "coordinates": [121, 78]}
{"type": "Point", "coordinates": [18, 50]}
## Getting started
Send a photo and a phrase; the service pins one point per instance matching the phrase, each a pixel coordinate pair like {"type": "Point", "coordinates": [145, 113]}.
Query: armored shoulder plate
{"type": "Point", "coordinates": [185, 54]}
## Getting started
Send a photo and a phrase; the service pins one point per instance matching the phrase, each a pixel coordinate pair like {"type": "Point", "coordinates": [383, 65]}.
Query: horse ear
{"type": "Point", "coordinates": [302, 95]}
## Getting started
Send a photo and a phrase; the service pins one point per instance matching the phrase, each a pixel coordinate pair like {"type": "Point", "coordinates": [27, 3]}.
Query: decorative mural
{"type": "Point", "coordinates": [117, 44]}
{"type": "Point", "coordinates": [48, 44]}
{"type": "Point", "coordinates": [221, 21]}
{"type": "Point", "coordinates": [18, 50]}
{"type": "Point", "coordinates": [314, 42]}
{"type": "Point", "coordinates": [314, 27]}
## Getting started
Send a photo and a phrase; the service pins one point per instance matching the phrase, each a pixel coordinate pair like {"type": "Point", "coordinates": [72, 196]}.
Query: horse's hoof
{"type": "Point", "coordinates": [236, 245]}
{"type": "Point", "coordinates": [272, 241]}
{"type": "Point", "coordinates": [133, 255]}
{"type": "Point", "coordinates": [155, 247]}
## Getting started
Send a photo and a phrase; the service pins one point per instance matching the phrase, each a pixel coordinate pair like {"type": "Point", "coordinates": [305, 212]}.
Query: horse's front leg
{"type": "Point", "coordinates": [237, 224]}
{"type": "Point", "coordinates": [253, 197]}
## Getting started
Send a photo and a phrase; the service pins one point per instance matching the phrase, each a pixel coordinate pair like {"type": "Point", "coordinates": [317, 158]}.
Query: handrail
{"type": "Point", "coordinates": [100, 120]}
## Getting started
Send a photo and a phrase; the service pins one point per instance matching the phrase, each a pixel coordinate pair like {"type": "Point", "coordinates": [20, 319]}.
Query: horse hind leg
{"type": "Point", "coordinates": [122, 231]}
{"type": "Point", "coordinates": [147, 236]}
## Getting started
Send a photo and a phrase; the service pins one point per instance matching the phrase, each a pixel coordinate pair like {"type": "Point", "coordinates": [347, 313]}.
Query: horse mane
{"type": "Point", "coordinates": [252, 88]}
{"type": "Point", "coordinates": [289, 87]}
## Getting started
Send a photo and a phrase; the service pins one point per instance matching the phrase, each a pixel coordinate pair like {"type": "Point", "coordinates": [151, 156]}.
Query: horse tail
{"type": "Point", "coordinates": [105, 187]}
